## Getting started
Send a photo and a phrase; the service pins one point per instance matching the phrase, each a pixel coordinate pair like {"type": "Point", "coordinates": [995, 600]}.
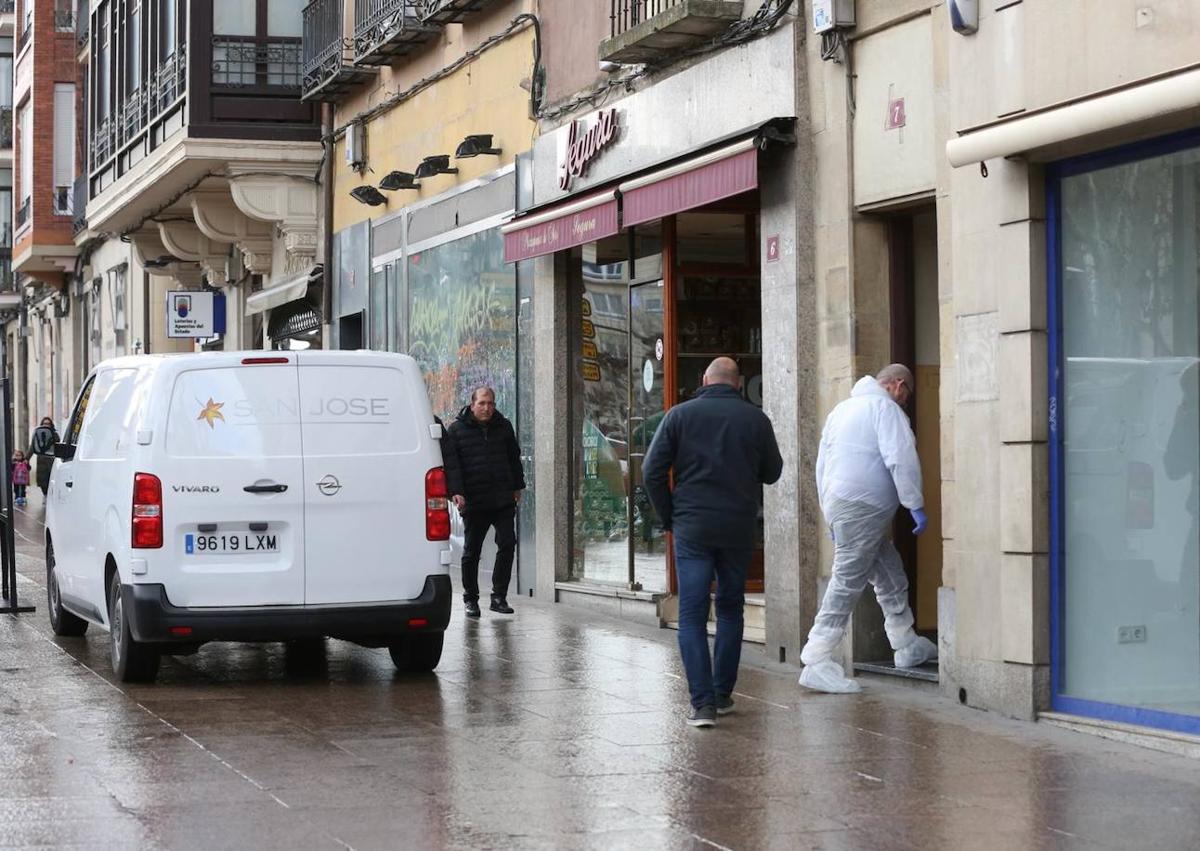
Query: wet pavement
{"type": "Point", "coordinates": [549, 729]}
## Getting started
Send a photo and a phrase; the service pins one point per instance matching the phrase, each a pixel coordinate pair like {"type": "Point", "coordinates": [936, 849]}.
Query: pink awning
{"type": "Point", "coordinates": [562, 227]}
{"type": "Point", "coordinates": [703, 180]}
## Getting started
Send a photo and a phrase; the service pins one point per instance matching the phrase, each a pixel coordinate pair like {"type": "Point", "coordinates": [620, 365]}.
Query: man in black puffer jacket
{"type": "Point", "coordinates": [485, 478]}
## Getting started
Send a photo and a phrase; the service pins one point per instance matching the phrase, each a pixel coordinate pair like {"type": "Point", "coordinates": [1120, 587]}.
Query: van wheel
{"type": "Point", "coordinates": [417, 654]}
{"type": "Point", "coordinates": [61, 621]}
{"type": "Point", "coordinates": [132, 661]}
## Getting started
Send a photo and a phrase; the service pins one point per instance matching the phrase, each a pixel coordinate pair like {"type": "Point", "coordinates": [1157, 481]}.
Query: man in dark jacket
{"type": "Point", "coordinates": [41, 447]}
{"type": "Point", "coordinates": [722, 450]}
{"type": "Point", "coordinates": [484, 474]}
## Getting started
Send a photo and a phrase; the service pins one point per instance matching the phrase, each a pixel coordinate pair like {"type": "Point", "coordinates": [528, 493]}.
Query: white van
{"type": "Point", "coordinates": [251, 496]}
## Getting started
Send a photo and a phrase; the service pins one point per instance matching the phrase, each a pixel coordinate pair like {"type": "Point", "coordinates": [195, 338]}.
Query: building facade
{"type": "Point", "coordinates": [659, 223]}
{"type": "Point", "coordinates": [431, 103]}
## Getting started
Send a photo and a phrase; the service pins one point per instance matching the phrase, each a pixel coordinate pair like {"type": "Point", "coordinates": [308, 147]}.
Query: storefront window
{"type": "Point", "coordinates": [1130, 408]}
{"type": "Point", "coordinates": [462, 326]}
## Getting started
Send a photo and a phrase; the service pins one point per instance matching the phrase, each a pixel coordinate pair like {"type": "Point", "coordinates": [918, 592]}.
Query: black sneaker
{"type": "Point", "coordinates": [499, 604]}
{"type": "Point", "coordinates": [724, 704]}
{"type": "Point", "coordinates": [705, 716]}
{"type": "Point", "coordinates": [472, 607]}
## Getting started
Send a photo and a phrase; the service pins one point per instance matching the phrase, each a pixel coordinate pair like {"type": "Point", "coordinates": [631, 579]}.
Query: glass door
{"type": "Point", "coordinates": [647, 406]}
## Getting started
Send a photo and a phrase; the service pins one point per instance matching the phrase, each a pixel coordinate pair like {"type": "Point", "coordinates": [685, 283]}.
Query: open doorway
{"type": "Point", "coordinates": [915, 342]}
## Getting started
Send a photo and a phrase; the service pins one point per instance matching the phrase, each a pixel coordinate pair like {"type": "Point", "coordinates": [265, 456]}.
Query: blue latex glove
{"type": "Point", "coordinates": [918, 516]}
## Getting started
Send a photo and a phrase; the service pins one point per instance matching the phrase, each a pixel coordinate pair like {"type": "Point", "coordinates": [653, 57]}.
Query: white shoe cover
{"type": "Point", "coordinates": [828, 677]}
{"type": "Point", "coordinates": [918, 653]}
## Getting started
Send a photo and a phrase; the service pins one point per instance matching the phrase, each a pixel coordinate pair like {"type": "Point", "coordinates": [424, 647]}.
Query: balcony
{"type": "Point", "coordinates": [169, 82]}
{"type": "Point", "coordinates": [386, 29]}
{"type": "Point", "coordinates": [6, 128]}
{"type": "Point", "coordinates": [649, 30]}
{"type": "Point", "coordinates": [244, 62]}
{"type": "Point", "coordinates": [441, 12]}
{"type": "Point", "coordinates": [327, 60]}
{"type": "Point", "coordinates": [22, 217]}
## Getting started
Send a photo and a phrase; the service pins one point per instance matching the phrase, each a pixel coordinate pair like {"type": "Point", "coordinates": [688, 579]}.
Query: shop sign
{"type": "Point", "coordinates": [522, 242]}
{"type": "Point", "coordinates": [591, 371]}
{"type": "Point", "coordinates": [648, 375]}
{"type": "Point", "coordinates": [189, 314]}
{"type": "Point", "coordinates": [590, 351]}
{"type": "Point", "coordinates": [589, 330]}
{"type": "Point", "coordinates": [583, 149]}
{"type": "Point", "coordinates": [658, 348]}
{"type": "Point", "coordinates": [587, 307]}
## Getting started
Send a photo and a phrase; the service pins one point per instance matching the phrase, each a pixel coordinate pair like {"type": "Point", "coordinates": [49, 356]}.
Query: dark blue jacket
{"type": "Point", "coordinates": [722, 450]}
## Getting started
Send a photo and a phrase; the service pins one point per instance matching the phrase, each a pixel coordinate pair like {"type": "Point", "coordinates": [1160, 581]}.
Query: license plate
{"type": "Point", "coordinates": [230, 543]}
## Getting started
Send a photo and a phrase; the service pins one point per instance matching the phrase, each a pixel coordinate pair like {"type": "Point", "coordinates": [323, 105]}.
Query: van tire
{"type": "Point", "coordinates": [417, 654]}
{"type": "Point", "coordinates": [61, 621]}
{"type": "Point", "coordinates": [132, 661]}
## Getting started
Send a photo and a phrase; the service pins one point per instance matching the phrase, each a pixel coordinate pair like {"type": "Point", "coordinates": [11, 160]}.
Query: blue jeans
{"type": "Point", "coordinates": [696, 566]}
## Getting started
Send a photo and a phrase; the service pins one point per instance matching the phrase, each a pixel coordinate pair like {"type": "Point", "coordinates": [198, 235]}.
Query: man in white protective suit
{"type": "Point", "coordinates": [867, 467]}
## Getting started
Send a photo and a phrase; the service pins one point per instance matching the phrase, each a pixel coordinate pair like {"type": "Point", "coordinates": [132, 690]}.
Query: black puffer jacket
{"type": "Point", "coordinates": [483, 461]}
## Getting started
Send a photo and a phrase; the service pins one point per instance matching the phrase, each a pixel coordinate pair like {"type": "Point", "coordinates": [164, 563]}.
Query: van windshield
{"type": "Point", "coordinates": [235, 412]}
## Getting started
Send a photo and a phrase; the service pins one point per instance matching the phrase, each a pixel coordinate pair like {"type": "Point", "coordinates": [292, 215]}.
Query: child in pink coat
{"type": "Point", "coordinates": [20, 476]}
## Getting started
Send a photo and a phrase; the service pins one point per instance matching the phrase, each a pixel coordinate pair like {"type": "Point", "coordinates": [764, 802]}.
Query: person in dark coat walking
{"type": "Point", "coordinates": [484, 474]}
{"type": "Point", "coordinates": [41, 447]}
{"type": "Point", "coordinates": [722, 450]}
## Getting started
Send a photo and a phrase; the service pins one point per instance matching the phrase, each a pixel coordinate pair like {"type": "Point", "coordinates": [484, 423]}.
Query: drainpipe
{"type": "Point", "coordinates": [146, 307]}
{"type": "Point", "coordinates": [327, 240]}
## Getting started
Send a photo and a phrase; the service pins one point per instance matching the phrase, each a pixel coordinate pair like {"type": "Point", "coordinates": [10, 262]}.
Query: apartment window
{"type": "Point", "coordinates": [6, 208]}
{"type": "Point", "coordinates": [6, 71]}
{"type": "Point", "coordinates": [168, 28]}
{"type": "Point", "coordinates": [133, 46]}
{"type": "Point", "coordinates": [116, 292]}
{"type": "Point", "coordinates": [64, 16]}
{"type": "Point", "coordinates": [257, 42]}
{"type": "Point", "coordinates": [25, 185]}
{"type": "Point", "coordinates": [64, 146]}
{"type": "Point", "coordinates": [103, 80]}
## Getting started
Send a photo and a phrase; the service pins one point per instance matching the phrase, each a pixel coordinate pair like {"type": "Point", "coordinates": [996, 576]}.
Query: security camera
{"type": "Point", "coordinates": [607, 67]}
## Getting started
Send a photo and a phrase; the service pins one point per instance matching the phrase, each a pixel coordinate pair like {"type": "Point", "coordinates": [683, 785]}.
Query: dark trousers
{"type": "Point", "coordinates": [696, 566]}
{"type": "Point", "coordinates": [19, 491]}
{"type": "Point", "coordinates": [477, 523]}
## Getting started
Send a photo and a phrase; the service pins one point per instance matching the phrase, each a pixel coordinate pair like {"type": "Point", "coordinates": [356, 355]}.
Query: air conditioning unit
{"type": "Point", "coordinates": [356, 146]}
{"type": "Point", "coordinates": [832, 15]}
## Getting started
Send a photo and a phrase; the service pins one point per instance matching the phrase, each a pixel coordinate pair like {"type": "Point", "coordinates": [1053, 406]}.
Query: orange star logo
{"type": "Point", "coordinates": [212, 412]}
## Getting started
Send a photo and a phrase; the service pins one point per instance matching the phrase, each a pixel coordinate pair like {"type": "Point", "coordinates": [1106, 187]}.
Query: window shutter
{"type": "Point", "coordinates": [64, 134]}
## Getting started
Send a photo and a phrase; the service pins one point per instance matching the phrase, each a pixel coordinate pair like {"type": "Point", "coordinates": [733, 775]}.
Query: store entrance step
{"type": "Point", "coordinates": [924, 673]}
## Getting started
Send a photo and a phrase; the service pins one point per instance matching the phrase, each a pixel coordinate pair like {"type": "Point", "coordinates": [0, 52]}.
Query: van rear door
{"type": "Point", "coordinates": [366, 453]}
{"type": "Point", "coordinates": [232, 483]}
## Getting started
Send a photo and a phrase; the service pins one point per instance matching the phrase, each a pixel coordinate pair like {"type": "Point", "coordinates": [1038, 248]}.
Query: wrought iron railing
{"type": "Point", "coordinates": [22, 213]}
{"type": "Point", "coordinates": [133, 115]}
{"type": "Point", "coordinates": [79, 201]}
{"type": "Point", "coordinates": [627, 14]}
{"type": "Point", "coordinates": [324, 46]}
{"type": "Point", "coordinates": [245, 61]}
{"type": "Point", "coordinates": [169, 82]}
{"type": "Point", "coordinates": [6, 272]}
{"type": "Point", "coordinates": [6, 127]}
{"type": "Point", "coordinates": [62, 198]}
{"type": "Point", "coordinates": [104, 141]}
{"type": "Point", "coordinates": [377, 21]}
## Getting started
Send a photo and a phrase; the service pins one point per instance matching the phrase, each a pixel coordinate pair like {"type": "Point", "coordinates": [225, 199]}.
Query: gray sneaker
{"type": "Point", "coordinates": [724, 704]}
{"type": "Point", "coordinates": [705, 716]}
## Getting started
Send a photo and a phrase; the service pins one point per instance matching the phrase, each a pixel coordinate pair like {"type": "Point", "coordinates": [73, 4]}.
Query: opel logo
{"type": "Point", "coordinates": [329, 485]}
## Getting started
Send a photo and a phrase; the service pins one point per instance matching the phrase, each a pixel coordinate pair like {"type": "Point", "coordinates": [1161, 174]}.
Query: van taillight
{"type": "Point", "coordinates": [147, 512]}
{"type": "Point", "coordinates": [437, 509]}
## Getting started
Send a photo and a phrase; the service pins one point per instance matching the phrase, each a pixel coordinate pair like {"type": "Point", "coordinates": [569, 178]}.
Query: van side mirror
{"type": "Point", "coordinates": [64, 451]}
